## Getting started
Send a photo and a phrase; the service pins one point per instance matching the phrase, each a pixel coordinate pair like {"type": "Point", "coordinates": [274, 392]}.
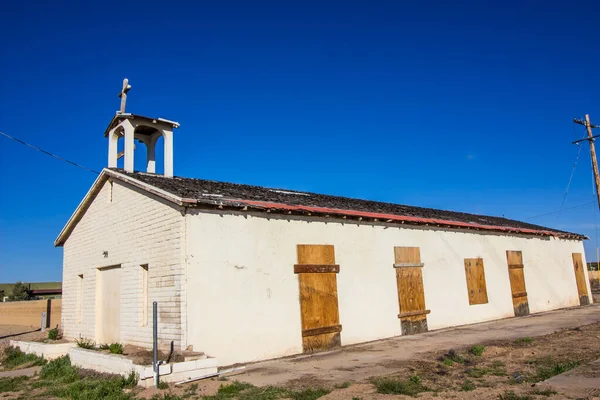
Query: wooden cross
{"type": "Point", "coordinates": [123, 94]}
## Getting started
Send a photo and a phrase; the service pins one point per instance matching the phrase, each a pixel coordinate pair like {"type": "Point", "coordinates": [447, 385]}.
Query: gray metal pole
{"type": "Point", "coordinates": [155, 341]}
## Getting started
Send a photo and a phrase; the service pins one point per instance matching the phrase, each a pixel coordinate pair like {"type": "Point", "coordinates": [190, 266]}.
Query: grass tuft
{"type": "Point", "coordinates": [12, 384]}
{"type": "Point", "coordinates": [116, 348]}
{"type": "Point", "coordinates": [391, 385]}
{"type": "Point", "coordinates": [477, 372]}
{"type": "Point", "coordinates": [246, 391]}
{"type": "Point", "coordinates": [14, 358]}
{"type": "Point", "coordinates": [467, 386]}
{"type": "Point", "coordinates": [477, 350]}
{"type": "Point", "coordinates": [543, 392]}
{"type": "Point", "coordinates": [53, 334]}
{"type": "Point", "coordinates": [454, 356]}
{"type": "Point", "coordinates": [510, 395]}
{"type": "Point", "coordinates": [555, 368]}
{"type": "Point", "coordinates": [162, 385]}
{"type": "Point", "coordinates": [86, 343]}
{"type": "Point", "coordinates": [524, 340]}
{"type": "Point", "coordinates": [59, 369]}
{"type": "Point", "coordinates": [308, 394]}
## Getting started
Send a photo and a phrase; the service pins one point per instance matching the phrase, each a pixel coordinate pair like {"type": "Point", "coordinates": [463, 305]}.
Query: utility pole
{"type": "Point", "coordinates": [590, 138]}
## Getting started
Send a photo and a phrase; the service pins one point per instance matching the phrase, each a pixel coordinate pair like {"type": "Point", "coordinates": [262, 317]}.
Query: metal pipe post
{"type": "Point", "coordinates": [155, 341]}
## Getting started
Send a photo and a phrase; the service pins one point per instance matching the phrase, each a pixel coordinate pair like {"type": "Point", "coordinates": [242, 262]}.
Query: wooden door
{"type": "Point", "coordinates": [517, 282]}
{"type": "Point", "coordinates": [584, 299]}
{"type": "Point", "coordinates": [108, 305]}
{"type": "Point", "coordinates": [411, 295]}
{"type": "Point", "coordinates": [317, 271]}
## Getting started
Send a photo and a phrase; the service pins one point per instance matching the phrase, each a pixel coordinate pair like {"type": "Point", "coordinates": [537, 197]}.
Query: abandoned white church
{"type": "Point", "coordinates": [246, 273]}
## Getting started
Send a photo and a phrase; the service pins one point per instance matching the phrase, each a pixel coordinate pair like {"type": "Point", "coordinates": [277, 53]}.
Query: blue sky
{"type": "Point", "coordinates": [456, 105]}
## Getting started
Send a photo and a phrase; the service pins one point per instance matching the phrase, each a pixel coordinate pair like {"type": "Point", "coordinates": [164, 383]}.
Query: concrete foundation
{"type": "Point", "coordinates": [49, 351]}
{"type": "Point", "coordinates": [118, 364]}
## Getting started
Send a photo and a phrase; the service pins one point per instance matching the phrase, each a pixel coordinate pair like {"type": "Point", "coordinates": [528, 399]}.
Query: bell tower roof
{"type": "Point", "coordinates": [145, 129]}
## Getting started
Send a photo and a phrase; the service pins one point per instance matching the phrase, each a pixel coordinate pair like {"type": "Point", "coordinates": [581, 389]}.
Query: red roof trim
{"type": "Point", "coordinates": [400, 218]}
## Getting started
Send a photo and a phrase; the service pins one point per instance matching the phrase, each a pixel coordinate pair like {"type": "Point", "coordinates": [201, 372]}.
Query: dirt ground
{"type": "Point", "coordinates": [18, 332]}
{"type": "Point", "coordinates": [515, 356]}
{"type": "Point", "coordinates": [504, 369]}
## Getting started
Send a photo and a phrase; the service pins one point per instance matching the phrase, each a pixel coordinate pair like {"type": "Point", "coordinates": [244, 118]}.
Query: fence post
{"type": "Point", "coordinates": [44, 321]}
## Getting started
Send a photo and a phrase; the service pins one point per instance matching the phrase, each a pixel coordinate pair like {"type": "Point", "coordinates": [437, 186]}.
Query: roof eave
{"type": "Point", "coordinates": [390, 218]}
{"type": "Point", "coordinates": [91, 195]}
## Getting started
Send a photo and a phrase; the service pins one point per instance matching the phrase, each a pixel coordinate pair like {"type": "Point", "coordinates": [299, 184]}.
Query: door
{"type": "Point", "coordinates": [411, 294]}
{"type": "Point", "coordinates": [317, 271]}
{"type": "Point", "coordinates": [108, 305]}
{"type": "Point", "coordinates": [584, 300]}
{"type": "Point", "coordinates": [517, 282]}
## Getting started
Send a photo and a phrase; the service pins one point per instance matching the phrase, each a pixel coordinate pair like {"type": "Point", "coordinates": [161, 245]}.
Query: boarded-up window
{"type": "Point", "coordinates": [584, 299]}
{"type": "Point", "coordinates": [144, 294]}
{"type": "Point", "coordinates": [476, 286]}
{"type": "Point", "coordinates": [320, 317]}
{"type": "Point", "coordinates": [411, 295]}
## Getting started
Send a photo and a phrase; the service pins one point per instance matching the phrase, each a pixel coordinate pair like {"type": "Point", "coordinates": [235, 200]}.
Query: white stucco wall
{"type": "Point", "coordinates": [243, 294]}
{"type": "Point", "coordinates": [135, 229]}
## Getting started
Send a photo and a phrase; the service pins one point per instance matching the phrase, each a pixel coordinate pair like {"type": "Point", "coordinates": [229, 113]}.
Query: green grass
{"type": "Point", "coordinates": [477, 372]}
{"type": "Point", "coordinates": [524, 340]}
{"type": "Point", "coordinates": [14, 358]}
{"type": "Point", "coordinates": [190, 391]}
{"type": "Point", "coordinates": [86, 343]}
{"type": "Point", "coordinates": [448, 362]}
{"type": "Point", "coordinates": [166, 396]}
{"type": "Point", "coordinates": [454, 356]}
{"type": "Point", "coordinates": [116, 348]}
{"type": "Point", "coordinates": [308, 394]}
{"type": "Point", "coordinates": [551, 369]}
{"type": "Point", "coordinates": [59, 379]}
{"type": "Point", "coordinates": [63, 380]}
{"type": "Point", "coordinates": [477, 350]}
{"type": "Point", "coordinates": [246, 391]}
{"type": "Point", "coordinates": [12, 384]}
{"type": "Point", "coordinates": [59, 370]}
{"type": "Point", "coordinates": [510, 395]}
{"type": "Point", "coordinates": [53, 334]}
{"type": "Point", "coordinates": [162, 385]}
{"type": "Point", "coordinates": [467, 386]}
{"type": "Point", "coordinates": [544, 392]}
{"type": "Point", "coordinates": [391, 385]}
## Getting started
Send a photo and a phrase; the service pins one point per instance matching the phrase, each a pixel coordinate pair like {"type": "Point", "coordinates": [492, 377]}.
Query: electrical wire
{"type": "Point", "coordinates": [49, 154]}
{"type": "Point", "coordinates": [571, 177]}
{"type": "Point", "coordinates": [564, 209]}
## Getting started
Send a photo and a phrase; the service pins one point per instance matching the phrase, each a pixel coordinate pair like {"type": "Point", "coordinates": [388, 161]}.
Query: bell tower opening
{"type": "Point", "coordinates": [130, 127]}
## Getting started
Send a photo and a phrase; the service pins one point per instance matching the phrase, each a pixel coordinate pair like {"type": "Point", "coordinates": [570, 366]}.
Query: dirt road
{"type": "Point", "coordinates": [359, 362]}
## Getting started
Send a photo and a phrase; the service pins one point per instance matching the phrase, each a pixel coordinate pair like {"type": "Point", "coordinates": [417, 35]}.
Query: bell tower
{"type": "Point", "coordinates": [147, 130]}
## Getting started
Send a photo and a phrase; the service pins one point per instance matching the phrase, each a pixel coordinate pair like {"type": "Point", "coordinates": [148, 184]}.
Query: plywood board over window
{"type": "Point", "coordinates": [517, 282]}
{"type": "Point", "coordinates": [411, 294]}
{"type": "Point", "coordinates": [320, 317]}
{"type": "Point", "coordinates": [476, 285]}
{"type": "Point", "coordinates": [584, 299]}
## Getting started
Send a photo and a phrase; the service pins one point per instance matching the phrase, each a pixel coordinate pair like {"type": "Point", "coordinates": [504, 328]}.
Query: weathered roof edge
{"type": "Point", "coordinates": [91, 195]}
{"type": "Point", "coordinates": [269, 206]}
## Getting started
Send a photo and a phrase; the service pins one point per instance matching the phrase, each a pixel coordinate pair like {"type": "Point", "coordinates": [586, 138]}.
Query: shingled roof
{"type": "Point", "coordinates": [224, 194]}
{"type": "Point", "coordinates": [191, 192]}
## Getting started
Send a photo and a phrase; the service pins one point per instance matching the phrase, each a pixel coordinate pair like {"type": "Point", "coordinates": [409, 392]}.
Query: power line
{"type": "Point", "coordinates": [564, 209]}
{"type": "Point", "coordinates": [571, 177]}
{"type": "Point", "coordinates": [49, 154]}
